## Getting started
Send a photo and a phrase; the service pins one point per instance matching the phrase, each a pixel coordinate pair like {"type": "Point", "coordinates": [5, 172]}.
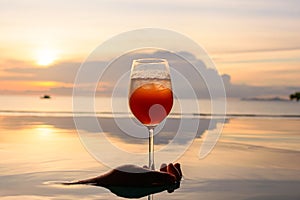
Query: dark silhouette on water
{"type": "Point", "coordinates": [131, 181]}
{"type": "Point", "coordinates": [296, 96]}
{"type": "Point", "coordinates": [46, 96]}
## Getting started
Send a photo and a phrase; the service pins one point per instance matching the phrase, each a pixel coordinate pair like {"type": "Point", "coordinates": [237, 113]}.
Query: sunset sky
{"type": "Point", "coordinates": [256, 42]}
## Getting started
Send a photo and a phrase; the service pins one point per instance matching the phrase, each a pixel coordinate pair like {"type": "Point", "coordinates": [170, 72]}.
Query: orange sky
{"type": "Point", "coordinates": [256, 43]}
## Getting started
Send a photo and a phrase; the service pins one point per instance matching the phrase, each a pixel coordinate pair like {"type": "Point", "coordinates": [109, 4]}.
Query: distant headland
{"type": "Point", "coordinates": [264, 99]}
{"type": "Point", "coordinates": [293, 96]}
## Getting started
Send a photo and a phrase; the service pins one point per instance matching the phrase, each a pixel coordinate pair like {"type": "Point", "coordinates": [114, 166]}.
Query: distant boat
{"type": "Point", "coordinates": [46, 97]}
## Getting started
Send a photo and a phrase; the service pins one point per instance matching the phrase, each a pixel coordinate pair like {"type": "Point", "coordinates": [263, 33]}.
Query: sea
{"type": "Point", "coordinates": [63, 106]}
{"type": "Point", "coordinates": [247, 150]}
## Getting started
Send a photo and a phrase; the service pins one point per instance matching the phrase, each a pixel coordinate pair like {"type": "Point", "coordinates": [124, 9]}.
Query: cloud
{"type": "Point", "coordinates": [110, 77]}
{"type": "Point", "coordinates": [61, 72]}
{"type": "Point", "coordinates": [247, 91]}
{"type": "Point", "coordinates": [259, 50]}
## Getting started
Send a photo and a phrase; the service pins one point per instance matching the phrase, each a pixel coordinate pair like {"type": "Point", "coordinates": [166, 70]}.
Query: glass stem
{"type": "Point", "coordinates": [150, 197]}
{"type": "Point", "coordinates": [151, 148]}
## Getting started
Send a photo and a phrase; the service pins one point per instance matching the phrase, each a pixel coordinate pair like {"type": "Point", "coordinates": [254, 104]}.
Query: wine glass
{"type": "Point", "coordinates": [150, 95]}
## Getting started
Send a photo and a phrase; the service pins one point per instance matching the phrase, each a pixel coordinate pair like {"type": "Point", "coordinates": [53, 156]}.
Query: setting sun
{"type": "Point", "coordinates": [46, 57]}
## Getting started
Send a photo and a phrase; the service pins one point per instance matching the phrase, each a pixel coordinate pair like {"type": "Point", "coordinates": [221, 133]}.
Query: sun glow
{"type": "Point", "coordinates": [46, 57]}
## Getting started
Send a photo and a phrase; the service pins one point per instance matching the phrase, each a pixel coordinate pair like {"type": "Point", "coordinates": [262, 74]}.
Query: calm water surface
{"type": "Point", "coordinates": [62, 105]}
{"type": "Point", "coordinates": [256, 157]}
